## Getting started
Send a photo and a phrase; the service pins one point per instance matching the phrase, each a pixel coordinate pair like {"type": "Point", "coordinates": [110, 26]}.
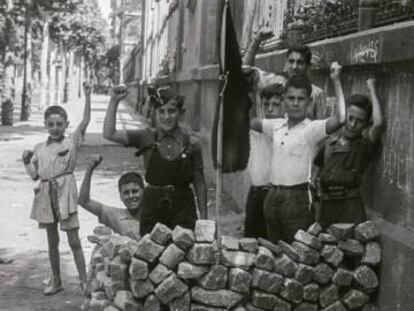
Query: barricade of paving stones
{"type": "Point", "coordinates": [179, 269]}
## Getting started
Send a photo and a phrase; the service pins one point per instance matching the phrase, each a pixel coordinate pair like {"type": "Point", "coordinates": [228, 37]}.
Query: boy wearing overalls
{"type": "Point", "coordinates": [173, 161]}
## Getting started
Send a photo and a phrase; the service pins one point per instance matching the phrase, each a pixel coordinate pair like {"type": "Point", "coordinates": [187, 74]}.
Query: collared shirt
{"type": "Point", "coordinates": [343, 162]}
{"type": "Point", "coordinates": [260, 158]}
{"type": "Point", "coordinates": [146, 137]}
{"type": "Point", "coordinates": [119, 220]}
{"type": "Point", "coordinates": [51, 160]}
{"type": "Point", "coordinates": [294, 149]}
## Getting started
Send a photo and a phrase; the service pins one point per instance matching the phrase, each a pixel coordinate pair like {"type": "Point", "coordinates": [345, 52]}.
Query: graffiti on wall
{"type": "Point", "coordinates": [366, 50]}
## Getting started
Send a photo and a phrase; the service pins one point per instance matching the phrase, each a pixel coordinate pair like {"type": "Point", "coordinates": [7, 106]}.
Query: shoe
{"type": "Point", "coordinates": [52, 289]}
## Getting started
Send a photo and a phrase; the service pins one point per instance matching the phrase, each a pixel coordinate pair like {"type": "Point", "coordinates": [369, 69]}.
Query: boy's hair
{"type": "Point", "coordinates": [130, 177]}
{"type": "Point", "coordinates": [274, 89]}
{"type": "Point", "coordinates": [299, 82]}
{"type": "Point", "coordinates": [303, 50]}
{"type": "Point", "coordinates": [361, 101]}
{"type": "Point", "coordinates": [56, 110]}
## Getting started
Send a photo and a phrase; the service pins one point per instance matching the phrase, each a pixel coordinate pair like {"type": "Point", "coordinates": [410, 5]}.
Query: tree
{"type": "Point", "coordinates": [8, 51]}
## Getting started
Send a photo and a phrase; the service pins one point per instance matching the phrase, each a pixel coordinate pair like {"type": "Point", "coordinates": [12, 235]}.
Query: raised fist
{"type": "Point", "coordinates": [119, 92]}
{"type": "Point", "coordinates": [371, 83]}
{"type": "Point", "coordinates": [95, 161]}
{"type": "Point", "coordinates": [27, 156]}
{"type": "Point", "coordinates": [264, 33]}
{"type": "Point", "coordinates": [335, 70]}
{"type": "Point", "coordinates": [87, 88]}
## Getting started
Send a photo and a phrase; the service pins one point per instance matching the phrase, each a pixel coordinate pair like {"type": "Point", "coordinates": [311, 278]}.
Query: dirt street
{"type": "Point", "coordinates": [21, 281]}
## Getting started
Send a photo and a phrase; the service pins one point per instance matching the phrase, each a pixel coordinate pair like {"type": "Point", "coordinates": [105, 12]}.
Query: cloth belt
{"type": "Point", "coordinates": [54, 193]}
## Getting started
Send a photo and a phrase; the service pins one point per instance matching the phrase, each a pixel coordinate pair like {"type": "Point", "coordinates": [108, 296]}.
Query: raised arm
{"type": "Point", "coordinates": [87, 89]}
{"type": "Point", "coordinates": [262, 35]}
{"type": "Point", "coordinates": [338, 119]}
{"type": "Point", "coordinates": [109, 131]}
{"type": "Point", "coordinates": [377, 120]}
{"type": "Point", "coordinates": [84, 198]}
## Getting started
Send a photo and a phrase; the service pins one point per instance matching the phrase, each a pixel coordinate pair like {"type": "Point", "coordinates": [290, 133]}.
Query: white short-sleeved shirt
{"type": "Point", "coordinates": [294, 149]}
{"type": "Point", "coordinates": [260, 158]}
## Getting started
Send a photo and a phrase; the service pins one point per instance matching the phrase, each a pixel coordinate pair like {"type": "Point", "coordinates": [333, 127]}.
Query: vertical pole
{"type": "Point", "coordinates": [121, 48]}
{"type": "Point", "coordinates": [219, 174]}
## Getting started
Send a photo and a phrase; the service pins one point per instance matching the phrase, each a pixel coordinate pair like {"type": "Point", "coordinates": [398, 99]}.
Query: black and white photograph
{"type": "Point", "coordinates": [207, 155]}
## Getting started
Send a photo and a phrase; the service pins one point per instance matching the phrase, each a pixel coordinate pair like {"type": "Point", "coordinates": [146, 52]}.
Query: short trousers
{"type": "Point", "coordinates": [70, 223]}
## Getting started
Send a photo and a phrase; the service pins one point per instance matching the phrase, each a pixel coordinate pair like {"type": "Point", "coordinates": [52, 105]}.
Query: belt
{"type": "Point", "coordinates": [167, 188]}
{"type": "Point", "coordinates": [303, 186]}
{"type": "Point", "coordinates": [55, 177]}
{"type": "Point", "coordinates": [260, 188]}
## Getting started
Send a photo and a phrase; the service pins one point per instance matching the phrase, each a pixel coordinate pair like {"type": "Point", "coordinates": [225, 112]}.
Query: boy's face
{"type": "Point", "coordinates": [296, 103]}
{"type": "Point", "coordinates": [56, 125]}
{"type": "Point", "coordinates": [272, 107]}
{"type": "Point", "coordinates": [131, 195]}
{"type": "Point", "coordinates": [168, 116]}
{"type": "Point", "coordinates": [356, 121]}
{"type": "Point", "coordinates": [296, 64]}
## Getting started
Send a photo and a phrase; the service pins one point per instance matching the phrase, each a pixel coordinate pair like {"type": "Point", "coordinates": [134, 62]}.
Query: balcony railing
{"type": "Point", "coordinates": [324, 19]}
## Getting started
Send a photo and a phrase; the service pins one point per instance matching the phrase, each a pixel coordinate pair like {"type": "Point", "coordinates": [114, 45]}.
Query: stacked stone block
{"type": "Point", "coordinates": [180, 269]}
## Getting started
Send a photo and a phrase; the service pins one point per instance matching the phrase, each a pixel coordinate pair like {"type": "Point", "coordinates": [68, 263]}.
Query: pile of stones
{"type": "Point", "coordinates": [181, 269]}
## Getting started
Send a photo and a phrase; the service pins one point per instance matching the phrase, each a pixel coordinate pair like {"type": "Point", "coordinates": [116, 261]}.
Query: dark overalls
{"type": "Point", "coordinates": [168, 198]}
{"type": "Point", "coordinates": [339, 179]}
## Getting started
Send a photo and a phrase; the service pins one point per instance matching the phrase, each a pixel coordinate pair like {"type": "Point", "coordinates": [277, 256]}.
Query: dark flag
{"type": "Point", "coordinates": [233, 88]}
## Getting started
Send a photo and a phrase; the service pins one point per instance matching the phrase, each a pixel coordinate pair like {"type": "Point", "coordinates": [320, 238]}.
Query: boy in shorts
{"type": "Point", "coordinates": [52, 163]}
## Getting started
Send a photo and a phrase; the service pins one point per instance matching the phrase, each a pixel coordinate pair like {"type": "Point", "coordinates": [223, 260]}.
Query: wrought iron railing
{"type": "Point", "coordinates": [322, 19]}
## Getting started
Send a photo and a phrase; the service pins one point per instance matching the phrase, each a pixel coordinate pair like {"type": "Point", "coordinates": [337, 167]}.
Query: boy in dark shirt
{"type": "Point", "coordinates": [344, 158]}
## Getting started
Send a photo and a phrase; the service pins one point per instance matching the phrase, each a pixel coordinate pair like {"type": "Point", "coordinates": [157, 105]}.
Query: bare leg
{"type": "Point", "coordinates": [54, 258]}
{"type": "Point", "coordinates": [75, 245]}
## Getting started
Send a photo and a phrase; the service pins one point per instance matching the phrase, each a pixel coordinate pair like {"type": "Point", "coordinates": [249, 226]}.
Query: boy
{"type": "Point", "coordinates": [269, 107]}
{"type": "Point", "coordinates": [295, 140]}
{"type": "Point", "coordinates": [298, 62]}
{"type": "Point", "coordinates": [172, 162]}
{"type": "Point", "coordinates": [267, 91]}
{"type": "Point", "coordinates": [344, 158]}
{"type": "Point", "coordinates": [53, 162]}
{"type": "Point", "coordinates": [122, 221]}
